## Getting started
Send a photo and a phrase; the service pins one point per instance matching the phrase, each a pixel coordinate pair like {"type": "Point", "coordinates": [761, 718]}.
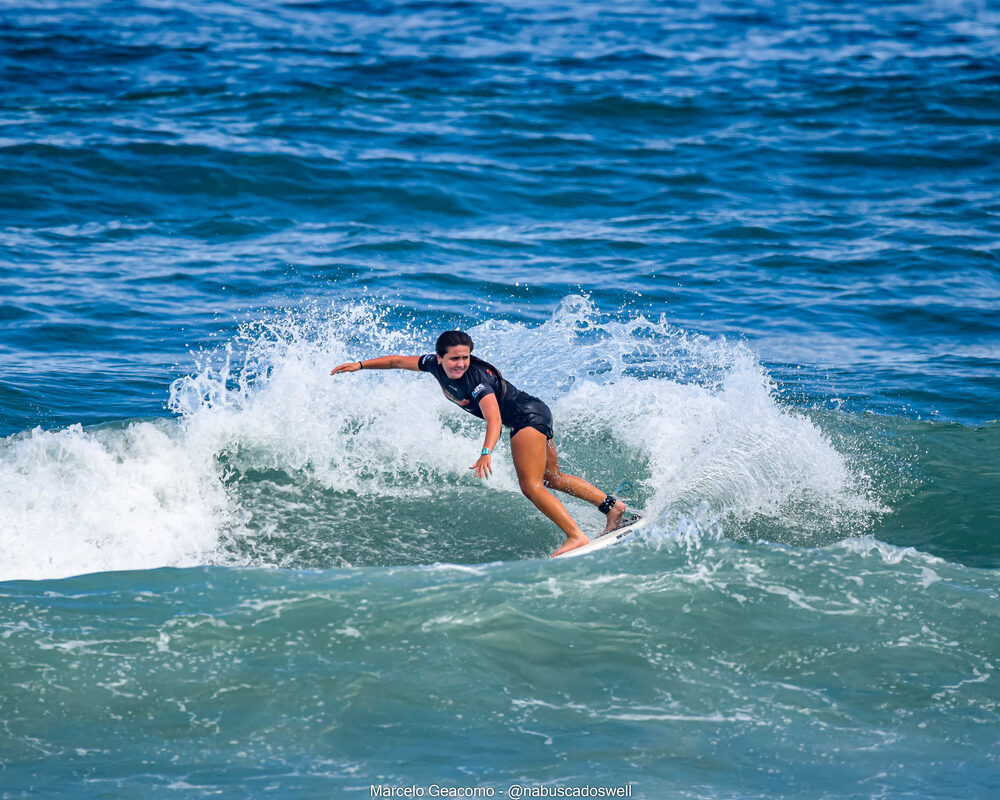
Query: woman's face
{"type": "Point", "coordinates": [455, 361]}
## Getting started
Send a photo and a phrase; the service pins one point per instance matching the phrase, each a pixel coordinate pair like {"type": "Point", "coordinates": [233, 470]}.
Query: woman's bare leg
{"type": "Point", "coordinates": [528, 451]}
{"type": "Point", "coordinates": [578, 487]}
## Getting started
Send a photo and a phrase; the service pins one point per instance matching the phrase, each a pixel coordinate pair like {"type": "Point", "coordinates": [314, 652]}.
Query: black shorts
{"type": "Point", "coordinates": [532, 413]}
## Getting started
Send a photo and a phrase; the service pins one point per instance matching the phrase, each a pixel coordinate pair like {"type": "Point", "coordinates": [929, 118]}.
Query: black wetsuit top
{"type": "Point", "coordinates": [517, 409]}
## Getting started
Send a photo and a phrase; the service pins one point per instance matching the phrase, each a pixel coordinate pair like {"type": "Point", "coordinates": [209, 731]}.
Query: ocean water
{"type": "Point", "coordinates": [748, 252]}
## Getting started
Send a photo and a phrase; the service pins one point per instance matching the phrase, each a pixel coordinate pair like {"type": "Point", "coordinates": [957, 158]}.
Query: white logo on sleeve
{"type": "Point", "coordinates": [480, 388]}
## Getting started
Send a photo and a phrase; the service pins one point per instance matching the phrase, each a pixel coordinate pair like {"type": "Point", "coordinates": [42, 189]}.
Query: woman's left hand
{"type": "Point", "coordinates": [483, 467]}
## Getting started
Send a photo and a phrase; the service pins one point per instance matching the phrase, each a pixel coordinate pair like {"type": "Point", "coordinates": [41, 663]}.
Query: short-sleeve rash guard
{"type": "Point", "coordinates": [517, 409]}
{"type": "Point", "coordinates": [467, 391]}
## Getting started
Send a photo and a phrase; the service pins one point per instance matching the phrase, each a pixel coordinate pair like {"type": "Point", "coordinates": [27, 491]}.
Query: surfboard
{"type": "Point", "coordinates": [633, 522]}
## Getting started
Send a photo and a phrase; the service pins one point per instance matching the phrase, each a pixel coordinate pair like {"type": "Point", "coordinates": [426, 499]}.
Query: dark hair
{"type": "Point", "coordinates": [453, 338]}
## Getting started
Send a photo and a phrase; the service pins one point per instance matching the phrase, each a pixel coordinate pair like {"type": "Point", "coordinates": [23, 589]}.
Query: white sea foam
{"type": "Point", "coordinates": [693, 421]}
{"type": "Point", "coordinates": [76, 501]}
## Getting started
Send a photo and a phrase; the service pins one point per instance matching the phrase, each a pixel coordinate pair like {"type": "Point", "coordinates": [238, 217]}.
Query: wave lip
{"type": "Point", "coordinates": [136, 496]}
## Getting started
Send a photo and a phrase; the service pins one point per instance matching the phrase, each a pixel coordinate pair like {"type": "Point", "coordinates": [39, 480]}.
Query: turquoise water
{"type": "Point", "coordinates": [748, 253]}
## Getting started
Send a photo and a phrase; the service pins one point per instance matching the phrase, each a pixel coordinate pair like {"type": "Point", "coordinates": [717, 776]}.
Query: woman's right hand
{"type": "Point", "coordinates": [350, 366]}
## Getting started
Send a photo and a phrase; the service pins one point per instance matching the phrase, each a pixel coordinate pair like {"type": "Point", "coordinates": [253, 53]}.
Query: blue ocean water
{"type": "Point", "coordinates": [748, 252]}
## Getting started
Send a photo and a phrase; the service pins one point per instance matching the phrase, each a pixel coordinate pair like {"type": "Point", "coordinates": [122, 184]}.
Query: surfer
{"type": "Point", "coordinates": [479, 388]}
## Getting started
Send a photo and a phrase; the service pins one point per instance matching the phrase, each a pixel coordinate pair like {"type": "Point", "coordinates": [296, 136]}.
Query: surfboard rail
{"type": "Point", "coordinates": [603, 540]}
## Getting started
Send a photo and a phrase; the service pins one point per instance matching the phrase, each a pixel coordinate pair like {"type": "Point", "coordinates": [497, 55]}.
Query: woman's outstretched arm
{"type": "Point", "coordinates": [382, 362]}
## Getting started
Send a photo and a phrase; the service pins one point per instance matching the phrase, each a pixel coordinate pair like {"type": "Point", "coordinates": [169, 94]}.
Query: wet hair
{"type": "Point", "coordinates": [452, 338]}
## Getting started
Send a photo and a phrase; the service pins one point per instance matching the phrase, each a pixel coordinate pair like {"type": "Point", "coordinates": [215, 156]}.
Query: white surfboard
{"type": "Point", "coordinates": [613, 537]}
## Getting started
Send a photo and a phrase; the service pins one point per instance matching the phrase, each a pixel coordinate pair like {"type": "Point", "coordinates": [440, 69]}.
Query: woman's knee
{"type": "Point", "coordinates": [553, 479]}
{"type": "Point", "coordinates": [531, 488]}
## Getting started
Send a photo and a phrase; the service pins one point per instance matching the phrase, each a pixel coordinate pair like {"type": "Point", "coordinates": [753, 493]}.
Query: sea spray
{"type": "Point", "coordinates": [271, 461]}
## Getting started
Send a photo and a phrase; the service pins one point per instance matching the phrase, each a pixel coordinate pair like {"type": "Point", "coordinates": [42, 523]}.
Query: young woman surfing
{"type": "Point", "coordinates": [480, 389]}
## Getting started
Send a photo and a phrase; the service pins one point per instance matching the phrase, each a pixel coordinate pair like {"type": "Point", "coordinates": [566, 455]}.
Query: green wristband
{"type": "Point", "coordinates": [486, 451]}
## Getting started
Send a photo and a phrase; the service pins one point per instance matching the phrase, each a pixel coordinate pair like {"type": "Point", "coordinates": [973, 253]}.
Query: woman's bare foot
{"type": "Point", "coordinates": [579, 539]}
{"type": "Point", "coordinates": [615, 516]}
